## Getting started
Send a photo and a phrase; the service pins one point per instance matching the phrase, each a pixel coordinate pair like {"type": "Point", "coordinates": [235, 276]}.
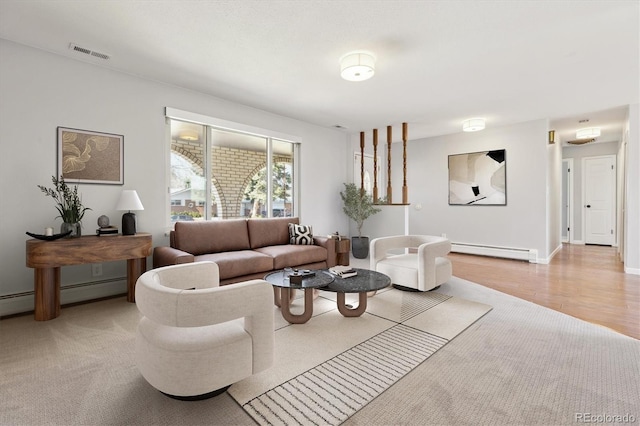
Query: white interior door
{"type": "Point", "coordinates": [599, 200]}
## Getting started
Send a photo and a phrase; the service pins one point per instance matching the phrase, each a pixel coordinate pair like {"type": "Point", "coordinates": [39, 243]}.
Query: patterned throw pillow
{"type": "Point", "coordinates": [300, 234]}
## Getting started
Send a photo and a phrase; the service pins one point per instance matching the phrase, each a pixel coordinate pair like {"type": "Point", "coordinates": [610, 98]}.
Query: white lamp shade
{"type": "Point", "coordinates": [129, 200]}
{"type": "Point", "coordinates": [473, 125]}
{"type": "Point", "coordinates": [588, 133]}
{"type": "Point", "coordinates": [357, 66]}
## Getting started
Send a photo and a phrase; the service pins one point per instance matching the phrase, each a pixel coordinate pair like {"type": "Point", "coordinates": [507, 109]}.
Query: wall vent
{"type": "Point", "coordinates": [89, 52]}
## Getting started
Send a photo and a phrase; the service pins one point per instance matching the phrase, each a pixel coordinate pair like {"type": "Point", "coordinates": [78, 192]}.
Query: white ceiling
{"type": "Point", "coordinates": [438, 62]}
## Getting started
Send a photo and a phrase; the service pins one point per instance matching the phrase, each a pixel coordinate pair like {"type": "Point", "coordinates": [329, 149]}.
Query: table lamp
{"type": "Point", "coordinates": [129, 200]}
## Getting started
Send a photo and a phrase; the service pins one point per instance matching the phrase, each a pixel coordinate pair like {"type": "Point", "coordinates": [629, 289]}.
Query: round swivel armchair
{"type": "Point", "coordinates": [197, 338]}
{"type": "Point", "coordinates": [413, 262]}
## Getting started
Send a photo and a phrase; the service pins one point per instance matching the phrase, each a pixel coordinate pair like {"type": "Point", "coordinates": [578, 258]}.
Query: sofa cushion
{"type": "Point", "coordinates": [237, 263]}
{"type": "Point", "coordinates": [300, 234]}
{"type": "Point", "coordinates": [211, 236]}
{"type": "Point", "coordinates": [269, 232]}
{"type": "Point", "coordinates": [294, 255]}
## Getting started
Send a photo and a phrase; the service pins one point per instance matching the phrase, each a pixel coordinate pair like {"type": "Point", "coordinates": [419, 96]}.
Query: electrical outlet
{"type": "Point", "coordinates": [444, 235]}
{"type": "Point", "coordinates": [96, 269]}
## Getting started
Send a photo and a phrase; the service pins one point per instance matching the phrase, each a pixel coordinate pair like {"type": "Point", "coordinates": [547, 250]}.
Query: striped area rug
{"type": "Point", "coordinates": [329, 368]}
{"type": "Point", "coordinates": [334, 390]}
{"type": "Point", "coordinates": [416, 303]}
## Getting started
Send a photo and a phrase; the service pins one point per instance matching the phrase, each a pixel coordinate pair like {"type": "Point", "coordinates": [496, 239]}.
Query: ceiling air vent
{"type": "Point", "coordinates": [89, 52]}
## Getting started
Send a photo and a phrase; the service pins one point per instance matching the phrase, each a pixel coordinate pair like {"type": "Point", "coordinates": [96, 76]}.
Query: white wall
{"type": "Point", "coordinates": [519, 224]}
{"type": "Point", "coordinates": [632, 210]}
{"type": "Point", "coordinates": [40, 91]}
{"type": "Point", "coordinates": [532, 217]}
{"type": "Point", "coordinates": [522, 223]}
{"type": "Point", "coordinates": [554, 200]}
{"type": "Point", "coordinates": [390, 221]}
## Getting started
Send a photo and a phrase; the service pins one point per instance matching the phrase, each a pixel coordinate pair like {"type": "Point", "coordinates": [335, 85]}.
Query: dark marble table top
{"type": "Point", "coordinates": [365, 281]}
{"type": "Point", "coordinates": [280, 279]}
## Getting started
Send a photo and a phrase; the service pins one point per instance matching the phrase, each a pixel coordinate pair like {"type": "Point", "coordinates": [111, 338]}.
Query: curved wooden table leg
{"type": "Point", "coordinates": [349, 312]}
{"type": "Point", "coordinates": [276, 295]}
{"type": "Point", "coordinates": [285, 302]}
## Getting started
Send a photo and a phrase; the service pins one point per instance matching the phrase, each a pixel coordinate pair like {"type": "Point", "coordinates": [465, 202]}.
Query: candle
{"type": "Point", "coordinates": [48, 231]}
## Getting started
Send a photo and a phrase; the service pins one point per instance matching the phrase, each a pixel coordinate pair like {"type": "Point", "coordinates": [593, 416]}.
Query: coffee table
{"type": "Point", "coordinates": [283, 290]}
{"type": "Point", "coordinates": [366, 281]}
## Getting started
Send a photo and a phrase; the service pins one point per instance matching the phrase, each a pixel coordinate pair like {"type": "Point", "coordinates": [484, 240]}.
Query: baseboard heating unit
{"type": "Point", "coordinates": [16, 303]}
{"type": "Point", "coordinates": [529, 255]}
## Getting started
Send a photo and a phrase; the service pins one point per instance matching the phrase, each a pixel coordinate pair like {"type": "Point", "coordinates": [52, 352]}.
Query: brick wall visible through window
{"type": "Point", "coordinates": [235, 170]}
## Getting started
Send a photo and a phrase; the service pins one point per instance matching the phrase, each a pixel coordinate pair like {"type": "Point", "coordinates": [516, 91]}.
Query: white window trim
{"type": "Point", "coordinates": [179, 114]}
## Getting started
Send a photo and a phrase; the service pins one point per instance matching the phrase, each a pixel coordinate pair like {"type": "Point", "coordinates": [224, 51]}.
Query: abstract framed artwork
{"type": "Point", "coordinates": [478, 178]}
{"type": "Point", "coordinates": [85, 156]}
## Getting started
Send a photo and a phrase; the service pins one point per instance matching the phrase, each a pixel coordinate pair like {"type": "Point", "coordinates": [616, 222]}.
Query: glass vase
{"type": "Point", "coordinates": [75, 229]}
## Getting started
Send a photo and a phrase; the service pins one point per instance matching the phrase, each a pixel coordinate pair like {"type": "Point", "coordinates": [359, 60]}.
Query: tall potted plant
{"type": "Point", "coordinates": [69, 205]}
{"type": "Point", "coordinates": [358, 206]}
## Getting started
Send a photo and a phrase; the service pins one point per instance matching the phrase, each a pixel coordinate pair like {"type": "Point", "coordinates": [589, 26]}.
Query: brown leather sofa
{"type": "Point", "coordinates": [244, 249]}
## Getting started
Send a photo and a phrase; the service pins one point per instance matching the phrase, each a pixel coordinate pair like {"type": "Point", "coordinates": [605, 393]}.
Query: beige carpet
{"type": "Point", "coordinates": [521, 364]}
{"type": "Point", "coordinates": [330, 367]}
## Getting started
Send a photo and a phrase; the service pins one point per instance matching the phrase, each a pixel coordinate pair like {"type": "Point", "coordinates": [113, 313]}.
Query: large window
{"type": "Point", "coordinates": [256, 199]}
{"type": "Point", "coordinates": [223, 173]}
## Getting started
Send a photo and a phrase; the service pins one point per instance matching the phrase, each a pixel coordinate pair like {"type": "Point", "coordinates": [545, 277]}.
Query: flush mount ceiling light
{"type": "Point", "coordinates": [473, 125]}
{"type": "Point", "coordinates": [188, 136]}
{"type": "Point", "coordinates": [357, 66]}
{"type": "Point", "coordinates": [588, 133]}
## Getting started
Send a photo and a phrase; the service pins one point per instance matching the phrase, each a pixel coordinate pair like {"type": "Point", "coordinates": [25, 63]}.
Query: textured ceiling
{"type": "Point", "coordinates": [438, 62]}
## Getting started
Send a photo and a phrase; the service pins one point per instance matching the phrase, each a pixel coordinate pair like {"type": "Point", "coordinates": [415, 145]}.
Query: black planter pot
{"type": "Point", "coordinates": [360, 247]}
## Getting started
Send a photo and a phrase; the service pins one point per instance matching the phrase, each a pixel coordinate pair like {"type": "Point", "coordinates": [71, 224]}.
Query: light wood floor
{"type": "Point", "coordinates": [587, 282]}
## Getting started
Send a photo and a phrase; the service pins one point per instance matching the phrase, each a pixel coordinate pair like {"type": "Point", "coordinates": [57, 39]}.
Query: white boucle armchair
{"type": "Point", "coordinates": [196, 338]}
{"type": "Point", "coordinates": [416, 262]}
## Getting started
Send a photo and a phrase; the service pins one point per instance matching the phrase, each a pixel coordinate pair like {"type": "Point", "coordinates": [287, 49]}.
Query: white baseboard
{"type": "Point", "coordinates": [24, 302]}
{"type": "Point", "coordinates": [16, 305]}
{"type": "Point", "coordinates": [633, 271]}
{"type": "Point", "coordinates": [548, 259]}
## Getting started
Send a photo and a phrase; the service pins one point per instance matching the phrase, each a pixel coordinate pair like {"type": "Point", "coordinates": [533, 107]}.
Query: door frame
{"type": "Point", "coordinates": [568, 190]}
{"type": "Point", "coordinates": [614, 206]}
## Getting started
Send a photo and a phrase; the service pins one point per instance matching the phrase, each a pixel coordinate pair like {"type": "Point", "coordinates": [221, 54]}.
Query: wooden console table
{"type": "Point", "coordinates": [46, 257]}
{"type": "Point", "coordinates": [343, 247]}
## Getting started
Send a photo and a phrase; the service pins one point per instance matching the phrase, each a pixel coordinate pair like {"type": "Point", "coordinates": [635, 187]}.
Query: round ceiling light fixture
{"type": "Point", "coordinates": [188, 135]}
{"type": "Point", "coordinates": [473, 125]}
{"type": "Point", "coordinates": [588, 133]}
{"type": "Point", "coordinates": [357, 66]}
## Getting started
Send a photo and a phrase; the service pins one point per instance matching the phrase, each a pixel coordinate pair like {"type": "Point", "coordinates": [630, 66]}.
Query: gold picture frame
{"type": "Point", "coordinates": [85, 156]}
